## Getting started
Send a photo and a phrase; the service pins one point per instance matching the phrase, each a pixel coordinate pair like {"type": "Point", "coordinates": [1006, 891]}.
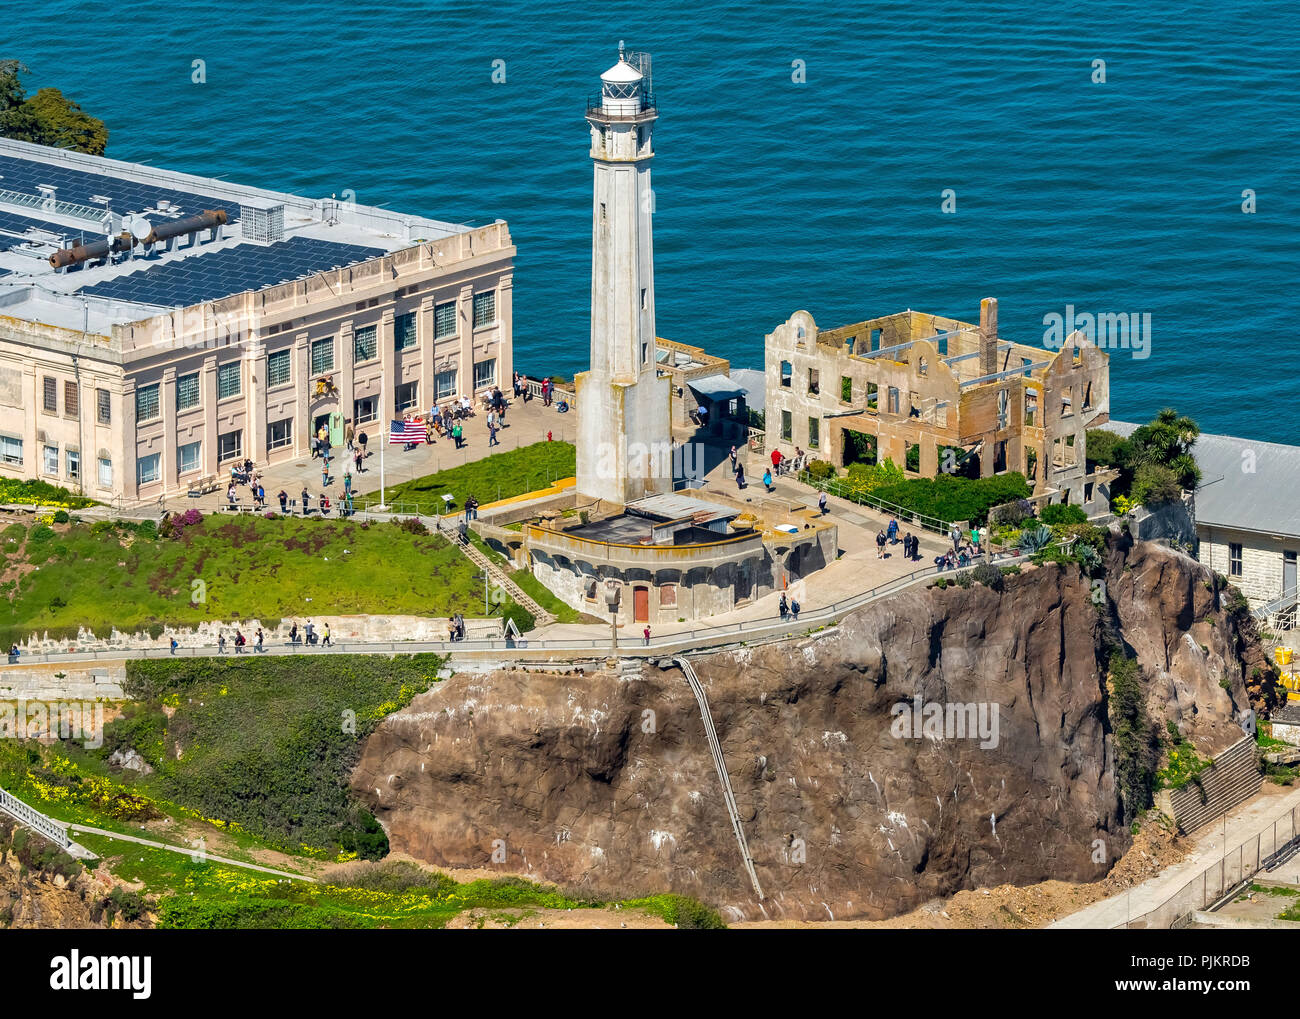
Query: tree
{"type": "Point", "coordinates": [47, 118]}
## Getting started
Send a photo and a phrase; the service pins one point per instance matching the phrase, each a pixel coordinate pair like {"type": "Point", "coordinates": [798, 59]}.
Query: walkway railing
{"type": "Point", "coordinates": [34, 819]}
{"type": "Point", "coordinates": [694, 639]}
{"type": "Point", "coordinates": [836, 487]}
{"type": "Point", "coordinates": [1264, 851]}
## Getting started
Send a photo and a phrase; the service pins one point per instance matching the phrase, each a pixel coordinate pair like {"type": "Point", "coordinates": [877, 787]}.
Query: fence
{"type": "Point", "coordinates": [835, 487]}
{"type": "Point", "coordinates": [34, 819]}
{"type": "Point", "coordinates": [1219, 880]}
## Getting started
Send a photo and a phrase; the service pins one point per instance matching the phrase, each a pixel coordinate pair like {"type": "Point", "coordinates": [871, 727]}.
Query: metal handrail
{"type": "Point", "coordinates": [866, 499]}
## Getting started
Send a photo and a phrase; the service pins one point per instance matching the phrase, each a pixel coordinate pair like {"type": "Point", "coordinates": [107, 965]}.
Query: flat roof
{"type": "Point", "coordinates": [52, 198]}
{"type": "Point", "coordinates": [675, 506]}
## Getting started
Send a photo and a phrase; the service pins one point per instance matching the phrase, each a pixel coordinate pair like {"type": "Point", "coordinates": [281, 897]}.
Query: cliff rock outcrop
{"type": "Point", "coordinates": [938, 740]}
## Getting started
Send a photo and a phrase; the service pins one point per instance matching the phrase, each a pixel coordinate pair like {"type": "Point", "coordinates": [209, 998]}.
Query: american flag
{"type": "Point", "coordinates": [400, 432]}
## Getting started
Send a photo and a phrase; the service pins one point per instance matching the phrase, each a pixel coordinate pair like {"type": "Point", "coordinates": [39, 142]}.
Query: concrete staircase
{"type": "Point", "coordinates": [499, 576]}
{"type": "Point", "coordinates": [1233, 778]}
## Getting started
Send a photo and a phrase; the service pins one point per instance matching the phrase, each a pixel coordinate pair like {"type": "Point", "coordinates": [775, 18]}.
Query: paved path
{"type": "Point", "coordinates": [1243, 823]}
{"type": "Point", "coordinates": [73, 828]}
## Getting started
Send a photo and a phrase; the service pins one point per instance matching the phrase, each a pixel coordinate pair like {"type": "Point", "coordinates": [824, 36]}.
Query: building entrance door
{"type": "Point", "coordinates": [641, 604]}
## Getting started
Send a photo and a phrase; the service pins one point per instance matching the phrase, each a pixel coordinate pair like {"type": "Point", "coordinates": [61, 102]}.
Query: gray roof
{"type": "Point", "coordinates": [675, 506]}
{"type": "Point", "coordinates": [1245, 483]}
{"type": "Point", "coordinates": [754, 383]}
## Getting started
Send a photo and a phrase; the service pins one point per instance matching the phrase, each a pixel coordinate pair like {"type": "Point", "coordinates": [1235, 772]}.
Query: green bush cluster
{"type": "Point", "coordinates": [269, 743]}
{"type": "Point", "coordinates": [1062, 513]}
{"type": "Point", "coordinates": [1137, 747]}
{"type": "Point", "coordinates": [1155, 463]}
{"type": "Point", "coordinates": [821, 470]}
{"type": "Point", "coordinates": [681, 910]}
{"type": "Point", "coordinates": [948, 497]}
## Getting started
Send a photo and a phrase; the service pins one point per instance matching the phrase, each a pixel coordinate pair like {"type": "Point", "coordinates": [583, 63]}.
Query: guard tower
{"type": "Point", "coordinates": [624, 428]}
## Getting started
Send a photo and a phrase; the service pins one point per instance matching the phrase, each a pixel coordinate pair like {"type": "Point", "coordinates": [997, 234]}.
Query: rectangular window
{"type": "Point", "coordinates": [846, 389]}
{"type": "Point", "coordinates": [228, 380]}
{"type": "Point", "coordinates": [444, 384]}
{"type": "Point", "coordinates": [279, 434]}
{"type": "Point", "coordinates": [1234, 559]}
{"type": "Point", "coordinates": [187, 391]}
{"type": "Point", "coordinates": [146, 403]}
{"type": "Point", "coordinates": [406, 396]}
{"type": "Point", "coordinates": [893, 399]}
{"type": "Point", "coordinates": [873, 396]}
{"type": "Point", "coordinates": [50, 395]}
{"type": "Point", "coordinates": [787, 373]}
{"type": "Point", "coordinates": [404, 332]}
{"type": "Point", "coordinates": [105, 472]}
{"type": "Point", "coordinates": [814, 433]}
{"type": "Point", "coordinates": [1031, 408]}
{"type": "Point", "coordinates": [444, 320]}
{"type": "Point", "coordinates": [103, 408]}
{"type": "Point", "coordinates": [322, 356]}
{"type": "Point", "coordinates": [365, 344]}
{"type": "Point", "coordinates": [814, 382]}
{"type": "Point", "coordinates": [187, 457]}
{"type": "Point", "coordinates": [485, 373]}
{"type": "Point", "coordinates": [50, 460]}
{"type": "Point", "coordinates": [11, 450]}
{"type": "Point", "coordinates": [485, 309]}
{"type": "Point", "coordinates": [74, 464]}
{"type": "Point", "coordinates": [364, 410]}
{"type": "Point", "coordinates": [230, 446]}
{"type": "Point", "coordinates": [278, 368]}
{"type": "Point", "coordinates": [787, 426]}
{"type": "Point", "coordinates": [148, 468]}
{"type": "Point", "coordinates": [71, 400]}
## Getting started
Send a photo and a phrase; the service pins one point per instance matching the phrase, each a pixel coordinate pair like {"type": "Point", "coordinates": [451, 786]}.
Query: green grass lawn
{"type": "Point", "coordinates": [500, 476]}
{"type": "Point", "coordinates": [62, 577]}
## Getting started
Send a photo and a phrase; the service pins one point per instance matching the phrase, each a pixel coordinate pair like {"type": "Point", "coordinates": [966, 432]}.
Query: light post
{"type": "Point", "coordinates": [613, 592]}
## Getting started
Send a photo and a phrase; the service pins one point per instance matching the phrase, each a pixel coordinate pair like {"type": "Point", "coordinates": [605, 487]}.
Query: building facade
{"type": "Point", "coordinates": [937, 395]}
{"type": "Point", "coordinates": [342, 314]}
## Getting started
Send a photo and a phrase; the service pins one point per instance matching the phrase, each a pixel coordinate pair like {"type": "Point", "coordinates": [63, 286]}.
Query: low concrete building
{"type": "Point", "coordinates": [156, 326]}
{"type": "Point", "coordinates": [934, 394]}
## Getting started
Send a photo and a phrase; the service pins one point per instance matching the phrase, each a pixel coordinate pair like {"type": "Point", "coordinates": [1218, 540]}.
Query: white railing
{"type": "Point", "coordinates": [34, 819]}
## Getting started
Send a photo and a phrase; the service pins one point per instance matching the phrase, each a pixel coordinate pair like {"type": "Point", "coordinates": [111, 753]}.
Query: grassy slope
{"type": "Point", "coordinates": [500, 476]}
{"type": "Point", "coordinates": [248, 567]}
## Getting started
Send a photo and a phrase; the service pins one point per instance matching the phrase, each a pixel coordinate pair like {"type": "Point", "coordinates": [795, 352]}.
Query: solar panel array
{"type": "Point", "coordinates": [125, 196]}
{"type": "Point", "coordinates": [208, 277]}
{"type": "Point", "coordinates": [21, 224]}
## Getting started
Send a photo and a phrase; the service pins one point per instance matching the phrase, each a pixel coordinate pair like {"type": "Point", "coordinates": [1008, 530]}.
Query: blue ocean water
{"type": "Point", "coordinates": [772, 195]}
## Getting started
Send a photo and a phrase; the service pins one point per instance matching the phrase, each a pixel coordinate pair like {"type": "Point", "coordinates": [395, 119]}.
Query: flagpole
{"type": "Point", "coordinates": [382, 507]}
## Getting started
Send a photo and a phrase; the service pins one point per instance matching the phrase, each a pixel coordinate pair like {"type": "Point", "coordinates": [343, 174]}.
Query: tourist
{"type": "Point", "coordinates": [821, 503]}
{"type": "Point", "coordinates": [261, 497]}
{"type": "Point", "coordinates": [230, 494]}
{"type": "Point", "coordinates": [546, 392]}
{"type": "Point", "coordinates": [325, 637]}
{"type": "Point", "coordinates": [309, 632]}
{"type": "Point", "coordinates": [784, 607]}
{"type": "Point", "coordinates": [562, 407]}
{"type": "Point", "coordinates": [240, 641]}
{"type": "Point", "coordinates": [776, 461]}
{"type": "Point", "coordinates": [175, 645]}
{"type": "Point", "coordinates": [347, 483]}
{"type": "Point", "coordinates": [259, 639]}
{"type": "Point", "coordinates": [458, 434]}
{"type": "Point", "coordinates": [350, 435]}
{"type": "Point", "coordinates": [733, 459]}
{"type": "Point", "coordinates": [892, 532]}
{"type": "Point", "coordinates": [221, 643]}
{"type": "Point", "coordinates": [646, 634]}
{"type": "Point", "coordinates": [284, 501]}
{"type": "Point", "coordinates": [361, 441]}
{"type": "Point", "coordinates": [325, 472]}
{"type": "Point", "coordinates": [306, 501]}
{"type": "Point", "coordinates": [515, 380]}
{"type": "Point", "coordinates": [880, 544]}
{"type": "Point", "coordinates": [293, 634]}
{"type": "Point", "coordinates": [794, 608]}
{"type": "Point", "coordinates": [324, 504]}
{"type": "Point", "coordinates": [492, 434]}
{"type": "Point", "coordinates": [466, 406]}
{"type": "Point", "coordinates": [357, 460]}
{"type": "Point", "coordinates": [975, 537]}
{"type": "Point", "coordinates": [347, 504]}
{"type": "Point", "coordinates": [767, 479]}
{"type": "Point", "coordinates": [955, 534]}
{"type": "Point", "coordinates": [740, 476]}
{"type": "Point", "coordinates": [909, 547]}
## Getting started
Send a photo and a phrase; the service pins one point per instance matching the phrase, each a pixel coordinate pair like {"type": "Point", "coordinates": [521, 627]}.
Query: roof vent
{"type": "Point", "coordinates": [264, 224]}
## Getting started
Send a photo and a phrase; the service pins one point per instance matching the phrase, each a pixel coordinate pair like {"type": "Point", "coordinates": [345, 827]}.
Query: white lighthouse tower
{"type": "Point", "coordinates": [624, 426]}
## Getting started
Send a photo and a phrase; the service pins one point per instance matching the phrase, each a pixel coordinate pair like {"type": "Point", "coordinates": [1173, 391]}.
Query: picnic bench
{"type": "Point", "coordinates": [202, 486]}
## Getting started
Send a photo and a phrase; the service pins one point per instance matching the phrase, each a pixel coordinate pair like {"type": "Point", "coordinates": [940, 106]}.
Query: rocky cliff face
{"type": "Point", "coordinates": [939, 740]}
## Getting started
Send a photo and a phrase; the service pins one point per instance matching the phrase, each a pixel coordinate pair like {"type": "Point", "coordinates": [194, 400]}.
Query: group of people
{"type": "Point", "coordinates": [889, 536]}
{"type": "Point", "coordinates": [964, 550]}
{"type": "Point", "coordinates": [456, 631]}
{"type": "Point", "coordinates": [324, 505]}
{"type": "Point", "coordinates": [309, 635]}
{"type": "Point", "coordinates": [789, 608]}
{"type": "Point", "coordinates": [240, 642]}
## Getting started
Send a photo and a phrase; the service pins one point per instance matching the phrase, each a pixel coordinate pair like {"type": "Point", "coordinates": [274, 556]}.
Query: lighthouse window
{"type": "Point", "coordinates": [643, 301]}
{"type": "Point", "coordinates": [602, 212]}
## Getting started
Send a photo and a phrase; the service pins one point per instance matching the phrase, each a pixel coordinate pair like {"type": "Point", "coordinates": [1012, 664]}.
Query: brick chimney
{"type": "Point", "coordinates": [988, 336]}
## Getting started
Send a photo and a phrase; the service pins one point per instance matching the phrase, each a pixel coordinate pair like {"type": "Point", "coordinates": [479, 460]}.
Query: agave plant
{"type": "Point", "coordinates": [1089, 558]}
{"type": "Point", "coordinates": [1032, 539]}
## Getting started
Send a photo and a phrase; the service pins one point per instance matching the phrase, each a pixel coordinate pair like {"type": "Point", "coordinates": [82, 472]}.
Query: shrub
{"type": "Point", "coordinates": [523, 619]}
{"type": "Point", "coordinates": [1137, 745]}
{"type": "Point", "coordinates": [820, 470]}
{"type": "Point", "coordinates": [988, 575]}
{"type": "Point", "coordinates": [61, 516]}
{"type": "Point", "coordinates": [40, 533]}
{"type": "Point", "coordinates": [948, 497]}
{"type": "Point", "coordinates": [1062, 513]}
{"type": "Point", "coordinates": [1155, 485]}
{"type": "Point", "coordinates": [1011, 514]}
{"type": "Point", "coordinates": [1107, 449]}
{"type": "Point", "coordinates": [1034, 539]}
{"type": "Point", "coordinates": [411, 525]}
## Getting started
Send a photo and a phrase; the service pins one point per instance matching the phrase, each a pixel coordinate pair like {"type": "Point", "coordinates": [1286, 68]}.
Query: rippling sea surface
{"type": "Point", "coordinates": [774, 195]}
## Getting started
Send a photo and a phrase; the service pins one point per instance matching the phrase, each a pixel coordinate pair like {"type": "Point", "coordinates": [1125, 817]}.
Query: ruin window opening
{"type": "Point", "coordinates": [846, 389]}
{"type": "Point", "coordinates": [814, 382]}
{"type": "Point", "coordinates": [787, 426]}
{"type": "Point", "coordinates": [787, 373]}
{"type": "Point", "coordinates": [893, 399]}
{"type": "Point", "coordinates": [913, 457]}
{"type": "Point", "coordinates": [873, 396]}
{"type": "Point", "coordinates": [1087, 396]}
{"type": "Point", "coordinates": [1067, 402]}
{"type": "Point", "coordinates": [875, 339]}
{"type": "Point", "coordinates": [922, 367]}
{"type": "Point", "coordinates": [814, 433]}
{"type": "Point", "coordinates": [1031, 409]}
{"type": "Point", "coordinates": [1004, 407]}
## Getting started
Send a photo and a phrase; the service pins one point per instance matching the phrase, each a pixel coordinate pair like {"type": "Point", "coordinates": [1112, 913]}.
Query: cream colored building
{"type": "Point", "coordinates": [132, 376]}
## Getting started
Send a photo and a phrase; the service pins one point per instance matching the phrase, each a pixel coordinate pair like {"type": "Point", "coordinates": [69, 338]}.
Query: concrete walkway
{"type": "Point", "coordinates": [226, 861]}
{"type": "Point", "coordinates": [1252, 818]}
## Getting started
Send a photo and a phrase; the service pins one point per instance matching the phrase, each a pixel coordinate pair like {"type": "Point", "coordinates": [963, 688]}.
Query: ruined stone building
{"type": "Point", "coordinates": [933, 394]}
